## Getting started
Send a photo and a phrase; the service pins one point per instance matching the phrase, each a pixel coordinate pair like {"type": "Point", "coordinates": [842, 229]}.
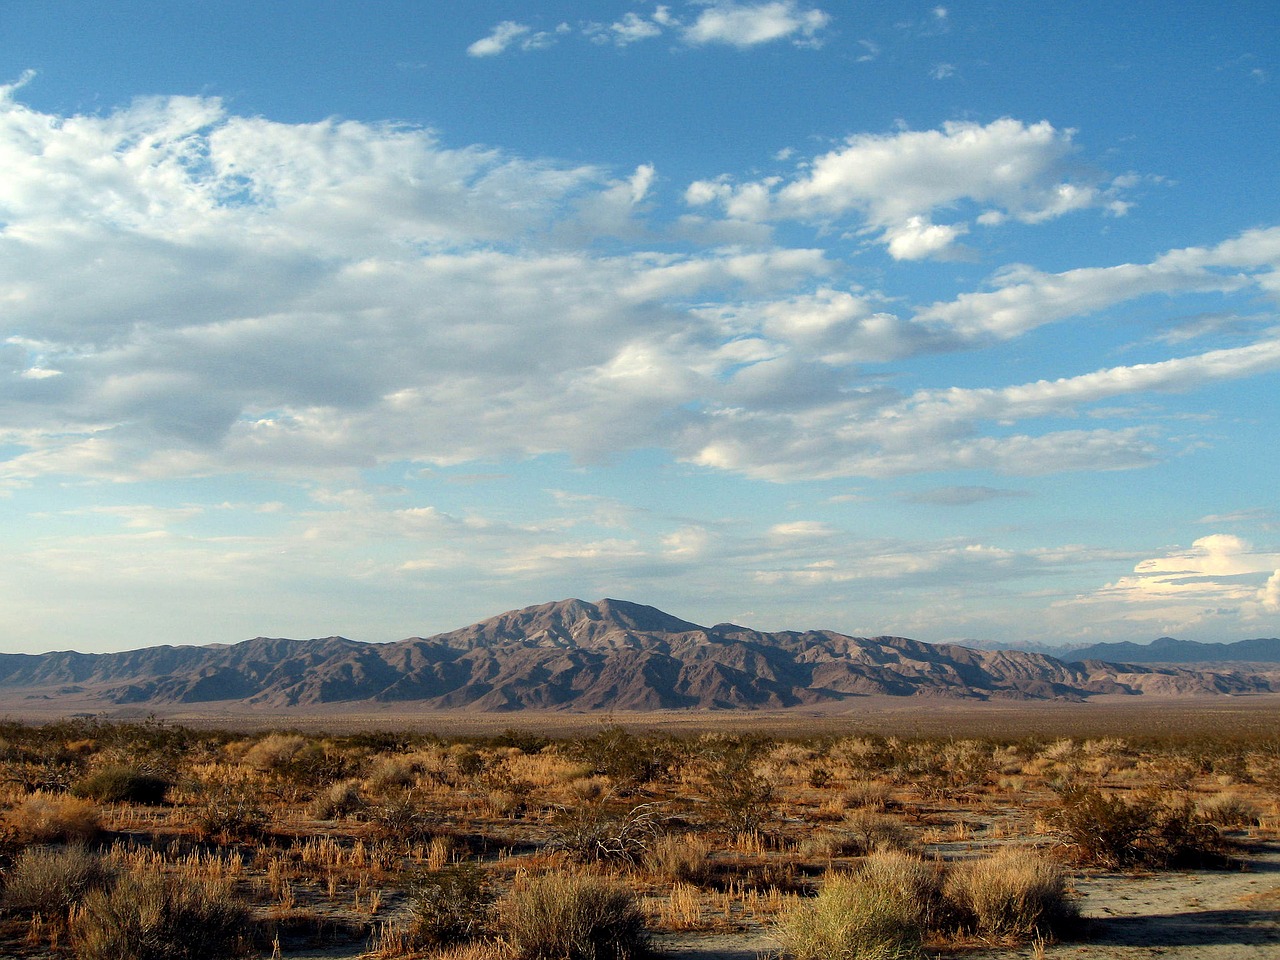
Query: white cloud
{"type": "Point", "coordinates": [633, 28]}
{"type": "Point", "coordinates": [896, 184]}
{"type": "Point", "coordinates": [507, 34]}
{"type": "Point", "coordinates": [1220, 575]}
{"type": "Point", "coordinates": [1025, 298]}
{"type": "Point", "coordinates": [745, 25]}
{"type": "Point", "coordinates": [416, 302]}
{"type": "Point", "coordinates": [1270, 594]}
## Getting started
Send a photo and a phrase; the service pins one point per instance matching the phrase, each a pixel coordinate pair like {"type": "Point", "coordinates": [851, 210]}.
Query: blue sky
{"type": "Point", "coordinates": [957, 322]}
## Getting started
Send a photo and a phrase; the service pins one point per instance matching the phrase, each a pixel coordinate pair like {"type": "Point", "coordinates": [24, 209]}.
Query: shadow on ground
{"type": "Point", "coordinates": [1208, 928]}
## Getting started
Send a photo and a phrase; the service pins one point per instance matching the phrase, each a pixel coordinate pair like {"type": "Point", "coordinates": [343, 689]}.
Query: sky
{"type": "Point", "coordinates": [955, 322]}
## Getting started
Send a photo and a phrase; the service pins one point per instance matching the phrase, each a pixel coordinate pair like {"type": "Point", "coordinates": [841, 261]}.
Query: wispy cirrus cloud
{"type": "Point", "coordinates": [742, 25]}
{"type": "Point", "coordinates": [510, 34]}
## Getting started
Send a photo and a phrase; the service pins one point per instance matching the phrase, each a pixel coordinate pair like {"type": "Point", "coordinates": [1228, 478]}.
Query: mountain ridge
{"type": "Point", "coordinates": [580, 656]}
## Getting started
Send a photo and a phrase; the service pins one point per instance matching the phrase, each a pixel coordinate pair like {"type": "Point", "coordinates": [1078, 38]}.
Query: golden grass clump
{"type": "Point", "coordinates": [49, 880]}
{"type": "Point", "coordinates": [881, 912]}
{"type": "Point", "coordinates": [53, 818]}
{"type": "Point", "coordinates": [679, 859]}
{"type": "Point", "coordinates": [572, 917]}
{"type": "Point", "coordinates": [1016, 893]}
{"type": "Point", "coordinates": [147, 915]}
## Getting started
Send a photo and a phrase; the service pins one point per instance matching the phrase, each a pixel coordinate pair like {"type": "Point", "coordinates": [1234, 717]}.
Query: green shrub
{"type": "Point", "coordinates": [451, 906]}
{"type": "Point", "coordinates": [629, 761]}
{"type": "Point", "coordinates": [228, 814]}
{"type": "Point", "coordinates": [149, 916]}
{"type": "Point", "coordinates": [1115, 833]}
{"type": "Point", "coordinates": [741, 800]}
{"type": "Point", "coordinates": [567, 917]}
{"type": "Point", "coordinates": [122, 784]}
{"type": "Point", "coordinates": [48, 880]}
{"type": "Point", "coordinates": [1015, 893]}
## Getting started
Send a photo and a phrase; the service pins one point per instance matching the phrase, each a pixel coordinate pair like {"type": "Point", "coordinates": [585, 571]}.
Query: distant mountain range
{"type": "Point", "coordinates": [610, 655]}
{"type": "Point", "coordinates": [1169, 650]}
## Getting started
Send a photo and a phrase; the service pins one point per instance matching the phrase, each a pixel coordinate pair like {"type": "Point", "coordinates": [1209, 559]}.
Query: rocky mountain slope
{"type": "Point", "coordinates": [571, 655]}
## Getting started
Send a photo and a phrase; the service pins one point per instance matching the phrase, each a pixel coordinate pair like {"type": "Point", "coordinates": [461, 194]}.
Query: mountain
{"type": "Point", "coordinates": [572, 655]}
{"type": "Point", "coordinates": [1169, 650]}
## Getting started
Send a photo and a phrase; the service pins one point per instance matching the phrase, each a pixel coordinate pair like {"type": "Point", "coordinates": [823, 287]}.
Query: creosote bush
{"type": "Point", "coordinates": [571, 917]}
{"type": "Point", "coordinates": [599, 832]}
{"type": "Point", "coordinates": [229, 813]}
{"type": "Point", "coordinates": [1117, 833]}
{"type": "Point", "coordinates": [451, 906]}
{"type": "Point", "coordinates": [122, 784]}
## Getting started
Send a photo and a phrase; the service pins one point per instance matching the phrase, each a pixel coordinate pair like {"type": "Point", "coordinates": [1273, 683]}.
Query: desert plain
{"type": "Point", "coordinates": [1116, 828]}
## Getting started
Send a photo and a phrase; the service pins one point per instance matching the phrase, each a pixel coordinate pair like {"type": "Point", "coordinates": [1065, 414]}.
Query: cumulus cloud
{"type": "Point", "coordinates": [750, 24]}
{"type": "Point", "coordinates": [895, 185]}
{"type": "Point", "coordinates": [412, 301]}
{"type": "Point", "coordinates": [1269, 596]}
{"type": "Point", "coordinates": [1218, 574]}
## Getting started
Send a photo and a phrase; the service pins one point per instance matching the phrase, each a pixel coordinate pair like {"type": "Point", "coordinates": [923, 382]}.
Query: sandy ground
{"type": "Point", "coordinates": [1212, 716]}
{"type": "Point", "coordinates": [1176, 915]}
{"type": "Point", "coordinates": [1196, 915]}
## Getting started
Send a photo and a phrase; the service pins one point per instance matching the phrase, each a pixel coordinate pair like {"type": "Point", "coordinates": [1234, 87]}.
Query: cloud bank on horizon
{"type": "Point", "coordinates": [978, 378]}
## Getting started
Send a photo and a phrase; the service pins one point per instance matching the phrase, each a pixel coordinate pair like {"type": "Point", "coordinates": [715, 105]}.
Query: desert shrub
{"type": "Point", "coordinates": [150, 916]}
{"type": "Point", "coordinates": [877, 831]}
{"type": "Point", "coordinates": [1112, 832]}
{"type": "Point", "coordinates": [389, 774]}
{"type": "Point", "coordinates": [599, 832]}
{"type": "Point", "coordinates": [679, 858]}
{"type": "Point", "coordinates": [526, 741]}
{"type": "Point", "coordinates": [450, 906]}
{"type": "Point", "coordinates": [627, 760]}
{"type": "Point", "coordinates": [1229, 810]}
{"type": "Point", "coordinates": [739, 798]}
{"type": "Point", "coordinates": [229, 813]}
{"type": "Point", "coordinates": [868, 793]}
{"type": "Point", "coordinates": [568, 917]}
{"type": "Point", "coordinates": [826, 844]}
{"type": "Point", "coordinates": [820, 778]}
{"type": "Point", "coordinates": [1015, 893]}
{"type": "Point", "coordinates": [49, 818]}
{"type": "Point", "coordinates": [909, 877]}
{"type": "Point", "coordinates": [339, 800]}
{"type": "Point", "coordinates": [879, 913]}
{"type": "Point", "coordinates": [274, 752]}
{"type": "Point", "coordinates": [48, 880]}
{"type": "Point", "coordinates": [122, 784]}
{"type": "Point", "coordinates": [401, 817]}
